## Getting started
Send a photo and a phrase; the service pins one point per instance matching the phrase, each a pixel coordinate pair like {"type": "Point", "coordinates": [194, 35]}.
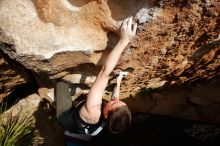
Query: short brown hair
{"type": "Point", "coordinates": [119, 119]}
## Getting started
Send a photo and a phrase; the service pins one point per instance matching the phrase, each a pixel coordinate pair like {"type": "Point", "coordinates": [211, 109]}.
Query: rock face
{"type": "Point", "coordinates": [12, 74]}
{"type": "Point", "coordinates": [175, 47]}
{"type": "Point", "coordinates": [70, 39]}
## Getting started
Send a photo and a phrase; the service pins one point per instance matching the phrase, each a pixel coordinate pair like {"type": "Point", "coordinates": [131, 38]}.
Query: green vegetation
{"type": "Point", "coordinates": [17, 131]}
{"type": "Point", "coordinates": [3, 106]}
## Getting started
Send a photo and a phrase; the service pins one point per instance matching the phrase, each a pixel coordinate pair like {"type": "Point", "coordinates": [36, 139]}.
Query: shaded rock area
{"type": "Point", "coordinates": [158, 130]}
{"type": "Point", "coordinates": [12, 74]}
{"type": "Point", "coordinates": [193, 101]}
{"type": "Point", "coordinates": [179, 115]}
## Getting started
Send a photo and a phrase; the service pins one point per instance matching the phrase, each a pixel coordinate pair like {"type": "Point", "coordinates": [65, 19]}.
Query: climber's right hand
{"type": "Point", "coordinates": [128, 29]}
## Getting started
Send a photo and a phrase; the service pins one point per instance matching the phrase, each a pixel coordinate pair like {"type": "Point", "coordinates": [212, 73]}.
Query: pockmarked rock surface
{"type": "Point", "coordinates": [177, 41]}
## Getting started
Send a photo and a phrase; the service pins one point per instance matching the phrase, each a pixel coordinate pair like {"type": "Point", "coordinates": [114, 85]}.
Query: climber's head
{"type": "Point", "coordinates": [117, 115]}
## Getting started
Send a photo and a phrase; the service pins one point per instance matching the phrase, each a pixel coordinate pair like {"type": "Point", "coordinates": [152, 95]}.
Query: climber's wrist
{"type": "Point", "coordinates": [124, 42]}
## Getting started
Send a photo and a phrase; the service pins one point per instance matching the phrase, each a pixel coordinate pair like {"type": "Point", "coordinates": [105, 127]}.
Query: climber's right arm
{"type": "Point", "coordinates": [92, 107]}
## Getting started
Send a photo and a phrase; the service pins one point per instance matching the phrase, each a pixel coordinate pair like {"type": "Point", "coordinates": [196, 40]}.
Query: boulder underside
{"type": "Point", "coordinates": [177, 41]}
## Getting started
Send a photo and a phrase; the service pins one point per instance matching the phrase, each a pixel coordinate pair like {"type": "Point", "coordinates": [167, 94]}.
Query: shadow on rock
{"type": "Point", "coordinates": [48, 126]}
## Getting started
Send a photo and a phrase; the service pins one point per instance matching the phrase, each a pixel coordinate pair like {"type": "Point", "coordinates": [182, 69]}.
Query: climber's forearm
{"type": "Point", "coordinates": [98, 87]}
{"type": "Point", "coordinates": [116, 91]}
{"type": "Point", "coordinates": [114, 56]}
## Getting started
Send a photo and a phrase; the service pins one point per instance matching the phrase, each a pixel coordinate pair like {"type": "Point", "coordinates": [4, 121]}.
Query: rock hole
{"type": "Point", "coordinates": [121, 9]}
{"type": "Point", "coordinates": [74, 5]}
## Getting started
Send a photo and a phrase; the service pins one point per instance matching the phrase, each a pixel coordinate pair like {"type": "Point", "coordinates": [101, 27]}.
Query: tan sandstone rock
{"type": "Point", "coordinates": [60, 39]}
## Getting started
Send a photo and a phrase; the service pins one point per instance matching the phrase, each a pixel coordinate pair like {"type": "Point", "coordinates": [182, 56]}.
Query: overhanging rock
{"type": "Point", "coordinates": [40, 29]}
{"type": "Point", "coordinates": [69, 38]}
